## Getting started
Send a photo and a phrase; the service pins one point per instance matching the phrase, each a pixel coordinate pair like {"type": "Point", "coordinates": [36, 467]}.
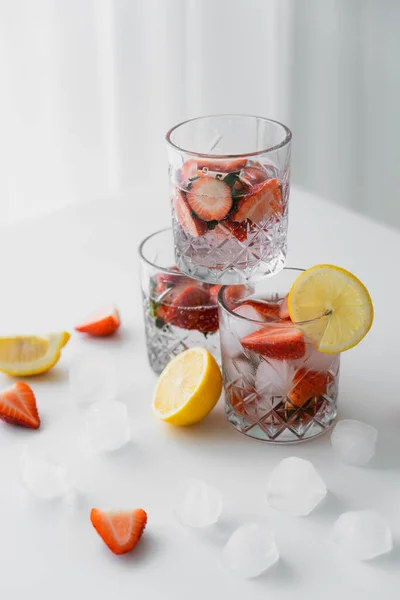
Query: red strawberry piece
{"type": "Point", "coordinates": [167, 280]}
{"type": "Point", "coordinates": [188, 306]}
{"type": "Point", "coordinates": [120, 530]}
{"type": "Point", "coordinates": [189, 223]}
{"type": "Point", "coordinates": [308, 384]}
{"type": "Point", "coordinates": [101, 324]}
{"type": "Point", "coordinates": [18, 406]}
{"type": "Point", "coordinates": [221, 166]}
{"type": "Point", "coordinates": [284, 309]}
{"type": "Point", "coordinates": [238, 230]}
{"type": "Point", "coordinates": [234, 294]}
{"type": "Point", "coordinates": [253, 174]}
{"type": "Point", "coordinates": [210, 199]}
{"type": "Point", "coordinates": [280, 342]}
{"type": "Point", "coordinates": [264, 201]}
{"type": "Point", "coordinates": [268, 310]}
{"type": "Point", "coordinates": [214, 291]}
{"type": "Point", "coordinates": [189, 170]}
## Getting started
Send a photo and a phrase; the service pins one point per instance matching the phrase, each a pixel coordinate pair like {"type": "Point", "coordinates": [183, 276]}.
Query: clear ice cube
{"type": "Point", "coordinates": [364, 534]}
{"type": "Point", "coordinates": [275, 377]}
{"type": "Point", "coordinates": [92, 377]}
{"type": "Point", "coordinates": [242, 326]}
{"type": "Point", "coordinates": [295, 487]}
{"type": "Point", "coordinates": [44, 472]}
{"type": "Point", "coordinates": [198, 503]}
{"type": "Point", "coordinates": [354, 442]}
{"type": "Point", "coordinates": [318, 361]}
{"type": "Point", "coordinates": [250, 550]}
{"type": "Point", "coordinates": [107, 426]}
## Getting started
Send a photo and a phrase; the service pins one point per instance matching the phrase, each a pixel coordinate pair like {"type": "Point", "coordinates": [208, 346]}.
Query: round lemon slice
{"type": "Point", "coordinates": [336, 294]}
{"type": "Point", "coordinates": [31, 354]}
{"type": "Point", "coordinates": [188, 388]}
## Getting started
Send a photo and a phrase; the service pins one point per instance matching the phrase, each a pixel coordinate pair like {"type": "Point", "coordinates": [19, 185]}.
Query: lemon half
{"type": "Point", "coordinates": [188, 388]}
{"type": "Point", "coordinates": [333, 292]}
{"type": "Point", "coordinates": [31, 355]}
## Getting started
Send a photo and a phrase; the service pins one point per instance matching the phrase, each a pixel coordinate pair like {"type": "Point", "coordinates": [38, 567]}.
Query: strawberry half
{"type": "Point", "coordinates": [253, 174]}
{"type": "Point", "coordinates": [189, 223]}
{"type": "Point", "coordinates": [308, 384]}
{"type": "Point", "coordinates": [280, 343]}
{"type": "Point", "coordinates": [101, 324]}
{"type": "Point", "coordinates": [188, 306]}
{"type": "Point", "coordinates": [221, 166]}
{"type": "Point", "coordinates": [213, 292]}
{"type": "Point", "coordinates": [284, 309]}
{"type": "Point", "coordinates": [210, 199]}
{"type": "Point", "coordinates": [121, 530]}
{"type": "Point", "coordinates": [166, 280]}
{"type": "Point", "coordinates": [264, 201]}
{"type": "Point", "coordinates": [18, 406]}
{"type": "Point", "coordinates": [268, 310]}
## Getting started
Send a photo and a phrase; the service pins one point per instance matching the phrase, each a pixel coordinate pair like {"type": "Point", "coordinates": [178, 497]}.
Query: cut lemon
{"type": "Point", "coordinates": [31, 355]}
{"type": "Point", "coordinates": [336, 294]}
{"type": "Point", "coordinates": [188, 388]}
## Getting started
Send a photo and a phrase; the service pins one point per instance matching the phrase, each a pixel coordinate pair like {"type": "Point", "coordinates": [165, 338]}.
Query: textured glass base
{"type": "Point", "coordinates": [168, 341]}
{"type": "Point", "coordinates": [226, 260]}
{"type": "Point", "coordinates": [275, 423]}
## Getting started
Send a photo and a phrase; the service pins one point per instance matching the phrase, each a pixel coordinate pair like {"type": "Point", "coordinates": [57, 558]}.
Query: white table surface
{"type": "Point", "coordinates": [56, 269]}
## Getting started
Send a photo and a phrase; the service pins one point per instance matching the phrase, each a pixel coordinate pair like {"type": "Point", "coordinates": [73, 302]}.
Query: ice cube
{"type": "Point", "coordinates": [230, 342]}
{"type": "Point", "coordinates": [92, 377]}
{"type": "Point", "coordinates": [364, 534]}
{"type": "Point", "coordinates": [295, 487]}
{"type": "Point", "coordinates": [107, 426]}
{"type": "Point", "coordinates": [243, 327]}
{"type": "Point", "coordinates": [198, 504]}
{"type": "Point", "coordinates": [354, 442]}
{"type": "Point", "coordinates": [250, 550]}
{"type": "Point", "coordinates": [275, 377]}
{"type": "Point", "coordinates": [318, 361]}
{"type": "Point", "coordinates": [44, 472]}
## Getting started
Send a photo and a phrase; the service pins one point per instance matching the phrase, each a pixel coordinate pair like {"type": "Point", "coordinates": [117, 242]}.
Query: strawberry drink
{"type": "Point", "coordinates": [179, 312]}
{"type": "Point", "coordinates": [278, 386]}
{"type": "Point", "coordinates": [229, 189]}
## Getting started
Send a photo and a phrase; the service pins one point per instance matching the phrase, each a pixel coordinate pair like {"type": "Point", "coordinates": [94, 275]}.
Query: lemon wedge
{"type": "Point", "coordinates": [31, 355]}
{"type": "Point", "coordinates": [188, 388]}
{"type": "Point", "coordinates": [340, 299]}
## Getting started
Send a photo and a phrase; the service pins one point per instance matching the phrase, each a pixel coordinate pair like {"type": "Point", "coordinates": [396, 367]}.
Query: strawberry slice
{"type": "Point", "coordinates": [18, 406]}
{"type": "Point", "coordinates": [221, 166]}
{"type": "Point", "coordinates": [284, 309]}
{"type": "Point", "coordinates": [189, 223]}
{"type": "Point", "coordinates": [253, 174]}
{"type": "Point", "coordinates": [280, 343]}
{"type": "Point", "coordinates": [101, 324]}
{"type": "Point", "coordinates": [308, 384]}
{"type": "Point", "coordinates": [188, 306]}
{"type": "Point", "coordinates": [189, 170]}
{"type": "Point", "coordinates": [211, 199]}
{"type": "Point", "coordinates": [213, 292]}
{"type": "Point", "coordinates": [238, 230]}
{"type": "Point", "coordinates": [264, 201]}
{"type": "Point", "coordinates": [121, 530]}
{"type": "Point", "coordinates": [267, 310]}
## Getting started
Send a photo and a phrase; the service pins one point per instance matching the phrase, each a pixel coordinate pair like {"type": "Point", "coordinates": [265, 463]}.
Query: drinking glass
{"type": "Point", "coordinates": [229, 190]}
{"type": "Point", "coordinates": [179, 312]}
{"type": "Point", "coordinates": [278, 386]}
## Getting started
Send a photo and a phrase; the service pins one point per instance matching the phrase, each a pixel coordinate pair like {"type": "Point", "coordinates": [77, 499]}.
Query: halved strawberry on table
{"type": "Point", "coordinates": [189, 223]}
{"type": "Point", "coordinates": [279, 342]}
{"type": "Point", "coordinates": [18, 406]}
{"type": "Point", "coordinates": [120, 530]}
{"type": "Point", "coordinates": [263, 202]}
{"type": "Point", "coordinates": [210, 199]}
{"type": "Point", "coordinates": [102, 323]}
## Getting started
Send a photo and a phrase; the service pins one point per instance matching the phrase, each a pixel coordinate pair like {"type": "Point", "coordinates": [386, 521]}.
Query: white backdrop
{"type": "Point", "coordinates": [89, 87]}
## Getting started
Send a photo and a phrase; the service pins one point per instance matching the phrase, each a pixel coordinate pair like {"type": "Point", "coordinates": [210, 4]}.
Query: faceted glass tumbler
{"type": "Point", "coordinates": [278, 387]}
{"type": "Point", "coordinates": [179, 312]}
{"type": "Point", "coordinates": [229, 190]}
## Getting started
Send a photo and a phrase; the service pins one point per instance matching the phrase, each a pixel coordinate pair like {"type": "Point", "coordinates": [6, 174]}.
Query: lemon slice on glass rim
{"type": "Point", "coordinates": [339, 299]}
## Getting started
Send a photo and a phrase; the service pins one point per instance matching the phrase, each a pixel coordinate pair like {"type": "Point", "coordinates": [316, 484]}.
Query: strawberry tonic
{"type": "Point", "coordinates": [278, 386]}
{"type": "Point", "coordinates": [229, 189]}
{"type": "Point", "coordinates": [179, 312]}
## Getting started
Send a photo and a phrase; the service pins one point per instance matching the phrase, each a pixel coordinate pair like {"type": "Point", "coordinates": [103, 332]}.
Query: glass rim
{"type": "Point", "coordinates": [222, 303]}
{"type": "Point", "coordinates": [282, 144]}
{"type": "Point", "coordinates": [149, 262]}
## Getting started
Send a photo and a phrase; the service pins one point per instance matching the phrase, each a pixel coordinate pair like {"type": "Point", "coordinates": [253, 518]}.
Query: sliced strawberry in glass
{"type": "Point", "coordinates": [264, 201]}
{"type": "Point", "coordinates": [308, 384]}
{"type": "Point", "coordinates": [189, 223]}
{"type": "Point", "coordinates": [278, 342]}
{"type": "Point", "coordinates": [210, 199]}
